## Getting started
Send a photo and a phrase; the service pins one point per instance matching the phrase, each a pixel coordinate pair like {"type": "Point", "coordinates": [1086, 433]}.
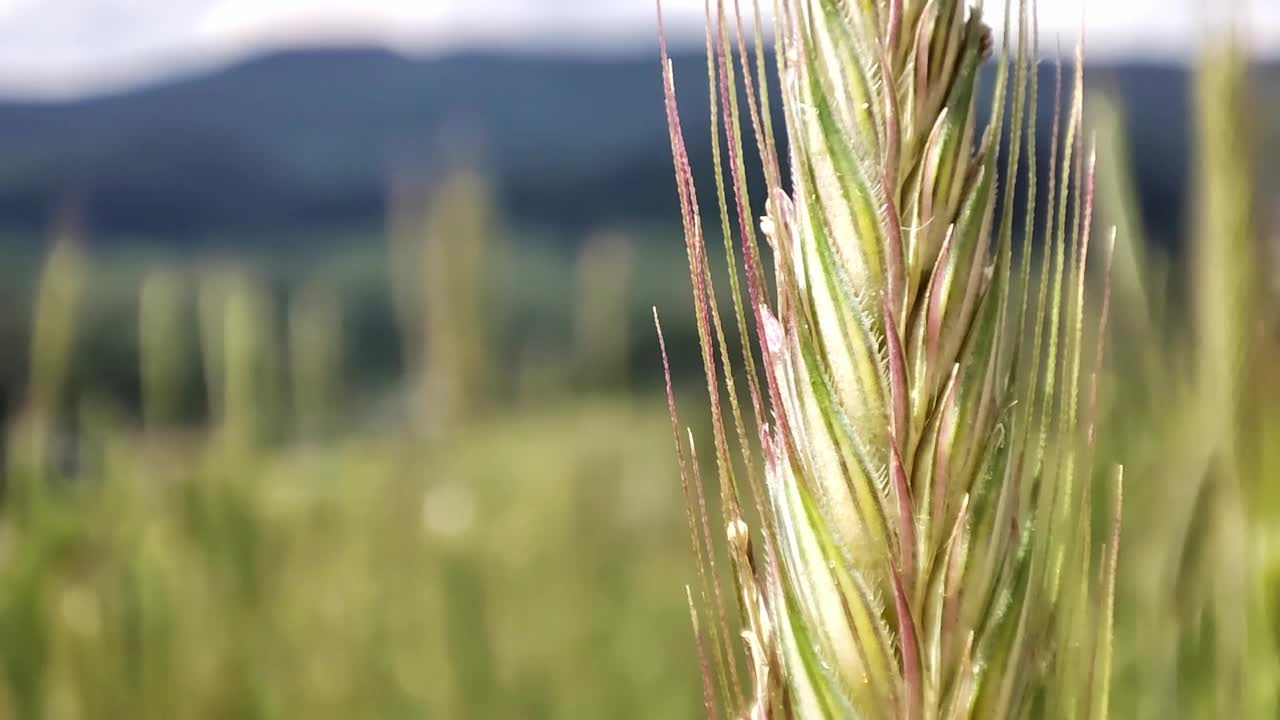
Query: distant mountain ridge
{"type": "Point", "coordinates": [310, 138]}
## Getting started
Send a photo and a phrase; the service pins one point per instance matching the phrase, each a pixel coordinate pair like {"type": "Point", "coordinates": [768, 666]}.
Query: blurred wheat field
{"type": "Point", "coordinates": [364, 578]}
{"type": "Point", "coordinates": [493, 556]}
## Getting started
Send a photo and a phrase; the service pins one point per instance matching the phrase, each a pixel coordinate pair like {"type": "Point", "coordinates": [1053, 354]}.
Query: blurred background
{"type": "Point", "coordinates": [327, 365]}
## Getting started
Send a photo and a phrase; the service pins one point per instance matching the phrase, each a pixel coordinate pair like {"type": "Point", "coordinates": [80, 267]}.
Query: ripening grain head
{"type": "Point", "coordinates": [924, 414]}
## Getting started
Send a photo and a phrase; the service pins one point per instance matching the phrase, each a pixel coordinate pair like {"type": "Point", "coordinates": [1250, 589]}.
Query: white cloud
{"type": "Point", "coordinates": [232, 19]}
{"type": "Point", "coordinates": [8, 7]}
{"type": "Point", "coordinates": [73, 45]}
{"type": "Point", "coordinates": [1156, 27]}
{"type": "Point", "coordinates": [446, 23]}
{"type": "Point", "coordinates": [234, 26]}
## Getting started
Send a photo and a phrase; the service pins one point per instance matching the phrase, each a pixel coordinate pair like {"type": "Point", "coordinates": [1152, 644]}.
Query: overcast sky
{"type": "Point", "coordinates": [61, 47]}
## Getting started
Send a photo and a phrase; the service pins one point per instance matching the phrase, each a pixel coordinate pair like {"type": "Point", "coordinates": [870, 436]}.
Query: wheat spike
{"type": "Point", "coordinates": [922, 495]}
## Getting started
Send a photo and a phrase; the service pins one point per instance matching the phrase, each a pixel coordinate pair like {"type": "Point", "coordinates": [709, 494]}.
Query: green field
{"type": "Point", "coordinates": [225, 495]}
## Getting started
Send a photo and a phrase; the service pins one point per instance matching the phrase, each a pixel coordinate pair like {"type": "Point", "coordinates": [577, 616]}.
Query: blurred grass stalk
{"type": "Point", "coordinates": [162, 363]}
{"type": "Point", "coordinates": [252, 381]}
{"type": "Point", "coordinates": [35, 450]}
{"type": "Point", "coordinates": [1225, 259]}
{"type": "Point", "coordinates": [211, 301]}
{"type": "Point", "coordinates": [601, 345]}
{"type": "Point", "coordinates": [315, 354]}
{"type": "Point", "coordinates": [441, 260]}
{"type": "Point", "coordinates": [924, 506]}
{"type": "Point", "coordinates": [1195, 415]}
{"type": "Point", "coordinates": [52, 345]}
